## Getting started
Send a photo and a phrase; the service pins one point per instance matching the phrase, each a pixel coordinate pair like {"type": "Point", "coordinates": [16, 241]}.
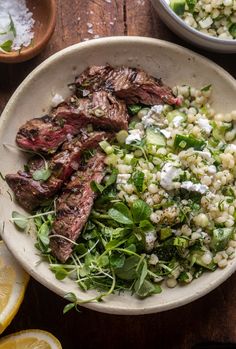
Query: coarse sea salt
{"type": "Point", "coordinates": [22, 20]}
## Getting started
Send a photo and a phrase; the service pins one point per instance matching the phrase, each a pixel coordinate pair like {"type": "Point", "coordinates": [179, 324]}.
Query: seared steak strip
{"type": "Point", "coordinates": [31, 193]}
{"type": "Point", "coordinates": [74, 206]}
{"type": "Point", "coordinates": [47, 133]}
{"type": "Point", "coordinates": [131, 84]}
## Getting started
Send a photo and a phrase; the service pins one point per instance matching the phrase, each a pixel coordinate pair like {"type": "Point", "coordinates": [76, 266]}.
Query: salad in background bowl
{"type": "Point", "coordinates": [211, 25]}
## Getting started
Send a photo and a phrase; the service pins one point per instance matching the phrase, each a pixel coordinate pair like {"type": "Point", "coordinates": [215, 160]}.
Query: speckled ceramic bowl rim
{"type": "Point", "coordinates": [105, 306]}
{"type": "Point", "coordinates": [214, 40]}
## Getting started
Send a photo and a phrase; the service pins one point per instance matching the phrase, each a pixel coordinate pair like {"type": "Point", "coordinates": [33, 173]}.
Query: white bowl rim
{"type": "Point", "coordinates": [101, 306]}
{"type": "Point", "coordinates": [224, 42]}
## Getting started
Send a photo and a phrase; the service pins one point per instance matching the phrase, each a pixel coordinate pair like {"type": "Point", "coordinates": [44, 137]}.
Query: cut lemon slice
{"type": "Point", "coordinates": [13, 282]}
{"type": "Point", "coordinates": [30, 339]}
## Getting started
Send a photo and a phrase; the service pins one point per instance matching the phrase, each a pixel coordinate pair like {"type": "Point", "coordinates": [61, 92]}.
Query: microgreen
{"type": "Point", "coordinates": [138, 180]}
{"type": "Point", "coordinates": [42, 174]}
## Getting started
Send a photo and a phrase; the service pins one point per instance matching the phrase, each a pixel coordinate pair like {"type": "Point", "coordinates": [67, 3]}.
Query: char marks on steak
{"type": "Point", "coordinates": [73, 207]}
{"type": "Point", "coordinates": [31, 193]}
{"type": "Point", "coordinates": [131, 84]}
{"type": "Point", "coordinates": [46, 134]}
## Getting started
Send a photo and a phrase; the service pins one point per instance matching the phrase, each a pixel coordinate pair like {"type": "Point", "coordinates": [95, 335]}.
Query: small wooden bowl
{"type": "Point", "coordinates": [44, 14]}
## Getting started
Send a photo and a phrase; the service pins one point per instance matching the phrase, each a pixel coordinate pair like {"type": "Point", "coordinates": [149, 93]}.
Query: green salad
{"type": "Point", "coordinates": [165, 211]}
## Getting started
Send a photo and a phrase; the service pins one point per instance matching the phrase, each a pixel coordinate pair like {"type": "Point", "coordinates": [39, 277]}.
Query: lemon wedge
{"type": "Point", "coordinates": [13, 282]}
{"type": "Point", "coordinates": [30, 339]}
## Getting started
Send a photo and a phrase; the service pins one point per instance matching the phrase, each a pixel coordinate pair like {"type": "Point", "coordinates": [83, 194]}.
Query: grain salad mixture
{"type": "Point", "coordinates": [149, 200]}
{"type": "Point", "coordinates": [212, 17]}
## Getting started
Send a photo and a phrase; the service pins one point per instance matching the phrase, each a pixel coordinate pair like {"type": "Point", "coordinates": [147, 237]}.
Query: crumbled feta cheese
{"type": "Point", "coordinates": [56, 99]}
{"type": "Point", "coordinates": [169, 172]}
{"type": "Point", "coordinates": [177, 120]}
{"type": "Point", "coordinates": [134, 136]}
{"type": "Point", "coordinates": [122, 178]}
{"type": "Point", "coordinates": [204, 154]}
{"type": "Point", "coordinates": [150, 239]}
{"type": "Point", "coordinates": [231, 147]}
{"type": "Point", "coordinates": [152, 116]}
{"type": "Point", "coordinates": [190, 186]}
{"type": "Point", "coordinates": [166, 133]}
{"type": "Point", "coordinates": [211, 169]}
{"type": "Point", "coordinates": [153, 260]}
{"type": "Point", "coordinates": [204, 125]}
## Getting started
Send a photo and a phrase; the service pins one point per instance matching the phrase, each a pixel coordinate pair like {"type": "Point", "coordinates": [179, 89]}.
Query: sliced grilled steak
{"type": "Point", "coordinates": [46, 134]}
{"type": "Point", "coordinates": [131, 84]}
{"type": "Point", "coordinates": [74, 206]}
{"type": "Point", "coordinates": [31, 193]}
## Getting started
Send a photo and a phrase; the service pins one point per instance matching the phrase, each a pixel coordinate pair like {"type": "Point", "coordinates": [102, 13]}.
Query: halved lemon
{"type": "Point", "coordinates": [13, 282]}
{"type": "Point", "coordinates": [30, 339]}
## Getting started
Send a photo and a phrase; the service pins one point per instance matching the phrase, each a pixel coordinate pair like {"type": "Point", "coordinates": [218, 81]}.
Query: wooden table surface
{"type": "Point", "coordinates": [211, 318]}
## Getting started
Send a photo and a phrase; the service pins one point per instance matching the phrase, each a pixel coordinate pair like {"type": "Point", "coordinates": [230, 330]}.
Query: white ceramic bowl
{"type": "Point", "coordinates": [175, 65]}
{"type": "Point", "coordinates": [195, 37]}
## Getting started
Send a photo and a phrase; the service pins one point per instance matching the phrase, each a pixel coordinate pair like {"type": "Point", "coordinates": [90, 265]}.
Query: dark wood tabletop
{"type": "Point", "coordinates": [209, 319]}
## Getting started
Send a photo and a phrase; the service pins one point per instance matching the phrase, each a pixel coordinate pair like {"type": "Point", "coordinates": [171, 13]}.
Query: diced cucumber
{"type": "Point", "coordinates": [220, 238]}
{"type": "Point", "coordinates": [104, 145]}
{"type": "Point", "coordinates": [165, 233]}
{"type": "Point", "coordinates": [178, 6]}
{"type": "Point", "coordinates": [196, 258]}
{"type": "Point", "coordinates": [219, 132]}
{"type": "Point", "coordinates": [185, 142]}
{"type": "Point", "coordinates": [111, 159]}
{"type": "Point", "coordinates": [173, 114]}
{"type": "Point", "coordinates": [154, 137]}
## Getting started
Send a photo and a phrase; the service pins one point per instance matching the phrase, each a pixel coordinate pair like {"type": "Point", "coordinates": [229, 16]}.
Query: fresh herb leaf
{"type": "Point", "coordinates": [232, 30]}
{"type": "Point", "coordinates": [96, 187]}
{"type": "Point", "coordinates": [206, 88]}
{"type": "Point", "coordinates": [138, 180]}
{"type": "Point", "coordinates": [128, 271]}
{"type": "Point", "coordinates": [60, 272]}
{"type": "Point", "coordinates": [121, 213]}
{"type": "Point", "coordinates": [71, 297]}
{"type": "Point", "coordinates": [114, 243]}
{"type": "Point", "coordinates": [19, 220]}
{"type": "Point", "coordinates": [146, 226]}
{"type": "Point", "coordinates": [147, 289]}
{"type": "Point", "coordinates": [117, 261]}
{"type": "Point", "coordinates": [103, 261]}
{"type": "Point", "coordinates": [143, 274]}
{"type": "Point", "coordinates": [12, 26]}
{"type": "Point", "coordinates": [191, 4]}
{"type": "Point", "coordinates": [43, 234]}
{"type": "Point", "coordinates": [140, 211]}
{"type": "Point", "coordinates": [42, 174]}
{"type": "Point", "coordinates": [134, 108]}
{"type": "Point", "coordinates": [6, 46]}
{"type": "Point", "coordinates": [112, 178]}
{"type": "Point", "coordinates": [68, 307]}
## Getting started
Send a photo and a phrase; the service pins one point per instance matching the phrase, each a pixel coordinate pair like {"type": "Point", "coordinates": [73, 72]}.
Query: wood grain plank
{"type": "Point", "coordinates": [77, 20]}
{"type": "Point", "coordinates": [211, 318]}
